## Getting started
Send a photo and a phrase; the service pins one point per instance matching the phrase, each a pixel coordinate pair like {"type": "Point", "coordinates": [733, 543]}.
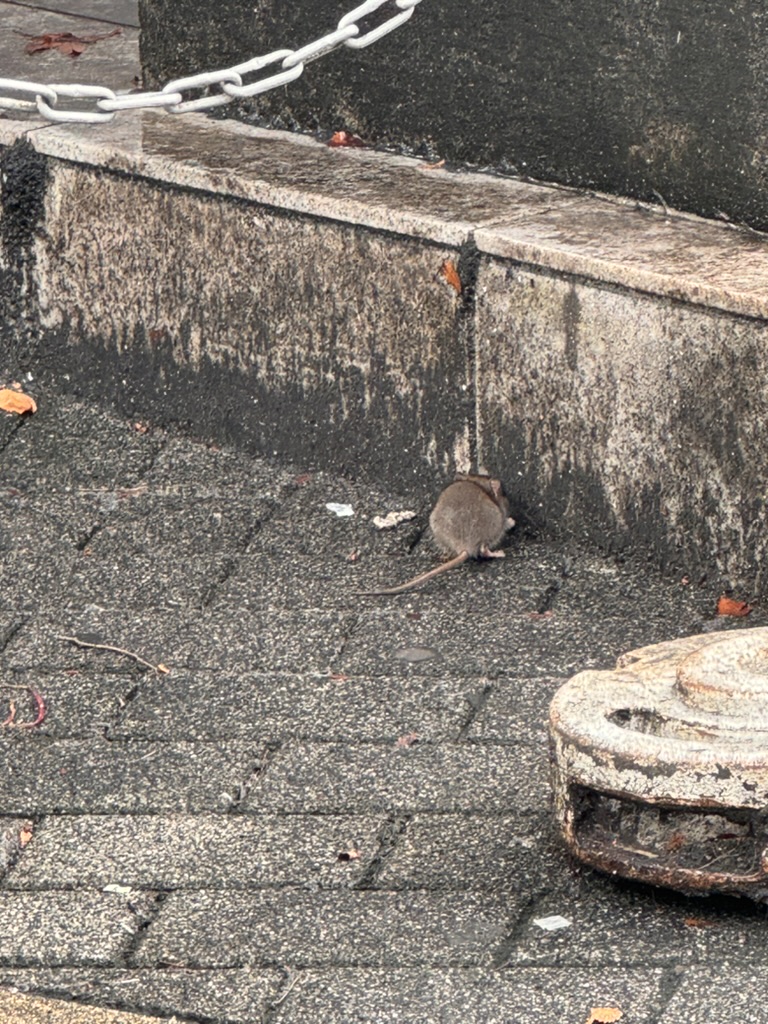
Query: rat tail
{"type": "Point", "coordinates": [452, 563]}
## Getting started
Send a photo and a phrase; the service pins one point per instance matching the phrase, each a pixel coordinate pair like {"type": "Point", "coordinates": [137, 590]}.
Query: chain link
{"type": "Point", "coordinates": [228, 82]}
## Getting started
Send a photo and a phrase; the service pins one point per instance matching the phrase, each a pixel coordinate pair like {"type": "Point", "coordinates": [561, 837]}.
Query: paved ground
{"type": "Point", "coordinates": [329, 808]}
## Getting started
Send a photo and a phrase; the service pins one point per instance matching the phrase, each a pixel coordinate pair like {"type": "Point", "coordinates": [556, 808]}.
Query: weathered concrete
{"type": "Point", "coordinates": [642, 100]}
{"type": "Point", "coordinates": [597, 403]}
{"type": "Point", "coordinates": [587, 361]}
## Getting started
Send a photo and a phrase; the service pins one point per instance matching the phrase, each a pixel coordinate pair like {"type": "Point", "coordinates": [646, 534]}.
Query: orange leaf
{"type": "Point", "coordinates": [698, 922]}
{"type": "Point", "coordinates": [450, 273]}
{"type": "Point", "coordinates": [407, 740]}
{"type": "Point", "coordinates": [16, 401]}
{"type": "Point", "coordinates": [345, 139]}
{"type": "Point", "coordinates": [65, 42]}
{"type": "Point", "coordinates": [727, 606]}
{"type": "Point", "coordinates": [604, 1015]}
{"type": "Point", "coordinates": [25, 833]}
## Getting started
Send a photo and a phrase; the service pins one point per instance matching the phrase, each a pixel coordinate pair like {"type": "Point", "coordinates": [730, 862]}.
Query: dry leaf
{"type": "Point", "coordinates": [141, 428]}
{"type": "Point", "coordinates": [345, 139]}
{"type": "Point", "coordinates": [25, 833]}
{"type": "Point", "coordinates": [727, 606]}
{"type": "Point", "coordinates": [351, 854]}
{"type": "Point", "coordinates": [698, 922]}
{"type": "Point", "coordinates": [16, 401]}
{"type": "Point", "coordinates": [450, 273]}
{"type": "Point", "coordinates": [408, 739]}
{"type": "Point", "coordinates": [353, 556]}
{"type": "Point", "coordinates": [338, 677]}
{"type": "Point", "coordinates": [604, 1015]}
{"type": "Point", "coordinates": [302, 479]}
{"type": "Point", "coordinates": [163, 668]}
{"type": "Point", "coordinates": [436, 166]}
{"type": "Point", "coordinates": [65, 42]}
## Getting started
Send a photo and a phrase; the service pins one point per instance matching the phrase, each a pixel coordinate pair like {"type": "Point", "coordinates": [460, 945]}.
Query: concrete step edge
{"type": "Point", "coordinates": [648, 249]}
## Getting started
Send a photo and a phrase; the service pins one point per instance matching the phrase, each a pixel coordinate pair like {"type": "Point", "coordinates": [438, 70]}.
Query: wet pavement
{"type": "Point", "coordinates": [328, 807]}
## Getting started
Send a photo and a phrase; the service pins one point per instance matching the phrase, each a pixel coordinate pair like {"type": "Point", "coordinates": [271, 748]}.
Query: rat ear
{"type": "Point", "coordinates": [496, 490]}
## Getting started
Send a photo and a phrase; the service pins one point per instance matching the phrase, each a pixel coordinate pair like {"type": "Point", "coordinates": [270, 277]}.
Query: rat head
{"type": "Point", "coordinates": [492, 487]}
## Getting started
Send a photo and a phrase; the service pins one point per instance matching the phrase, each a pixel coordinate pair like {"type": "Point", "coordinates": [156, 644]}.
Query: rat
{"type": "Point", "coordinates": [469, 519]}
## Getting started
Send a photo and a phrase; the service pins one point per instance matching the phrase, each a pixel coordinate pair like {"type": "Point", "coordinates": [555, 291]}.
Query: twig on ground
{"type": "Point", "coordinates": [116, 650]}
{"type": "Point", "coordinates": [285, 994]}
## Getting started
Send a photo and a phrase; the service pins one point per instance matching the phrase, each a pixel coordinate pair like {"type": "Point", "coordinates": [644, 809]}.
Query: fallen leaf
{"type": "Point", "coordinates": [407, 740]}
{"type": "Point", "coordinates": [347, 855]}
{"type": "Point", "coordinates": [540, 615]}
{"type": "Point", "coordinates": [450, 273]}
{"type": "Point", "coordinates": [141, 428]}
{"type": "Point", "coordinates": [65, 42]}
{"type": "Point", "coordinates": [163, 668]}
{"type": "Point", "coordinates": [345, 139]}
{"type": "Point", "coordinates": [436, 166]}
{"type": "Point", "coordinates": [353, 556]}
{"type": "Point", "coordinates": [25, 833]}
{"type": "Point", "coordinates": [16, 401]}
{"type": "Point", "coordinates": [302, 479]}
{"type": "Point", "coordinates": [338, 677]}
{"type": "Point", "coordinates": [604, 1015]}
{"type": "Point", "coordinates": [698, 922]}
{"type": "Point", "coordinates": [727, 606]}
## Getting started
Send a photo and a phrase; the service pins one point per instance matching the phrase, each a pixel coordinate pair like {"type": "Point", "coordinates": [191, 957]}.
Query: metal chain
{"type": "Point", "coordinates": [228, 83]}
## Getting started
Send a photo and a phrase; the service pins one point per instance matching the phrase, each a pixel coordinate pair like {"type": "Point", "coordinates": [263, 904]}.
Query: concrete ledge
{"type": "Point", "coordinates": [606, 358]}
{"type": "Point", "coordinates": [599, 237]}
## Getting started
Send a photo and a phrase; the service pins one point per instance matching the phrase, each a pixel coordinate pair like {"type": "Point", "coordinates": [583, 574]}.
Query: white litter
{"type": "Point", "coordinates": [392, 519]}
{"type": "Point", "coordinates": [338, 509]}
{"type": "Point", "coordinates": [120, 890]}
{"type": "Point", "coordinates": [553, 923]}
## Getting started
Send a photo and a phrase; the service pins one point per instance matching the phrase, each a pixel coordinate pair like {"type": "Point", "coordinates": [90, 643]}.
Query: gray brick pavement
{"type": "Point", "coordinates": [281, 851]}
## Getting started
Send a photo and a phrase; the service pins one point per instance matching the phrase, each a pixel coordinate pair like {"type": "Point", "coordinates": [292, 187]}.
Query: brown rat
{"type": "Point", "coordinates": [469, 519]}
